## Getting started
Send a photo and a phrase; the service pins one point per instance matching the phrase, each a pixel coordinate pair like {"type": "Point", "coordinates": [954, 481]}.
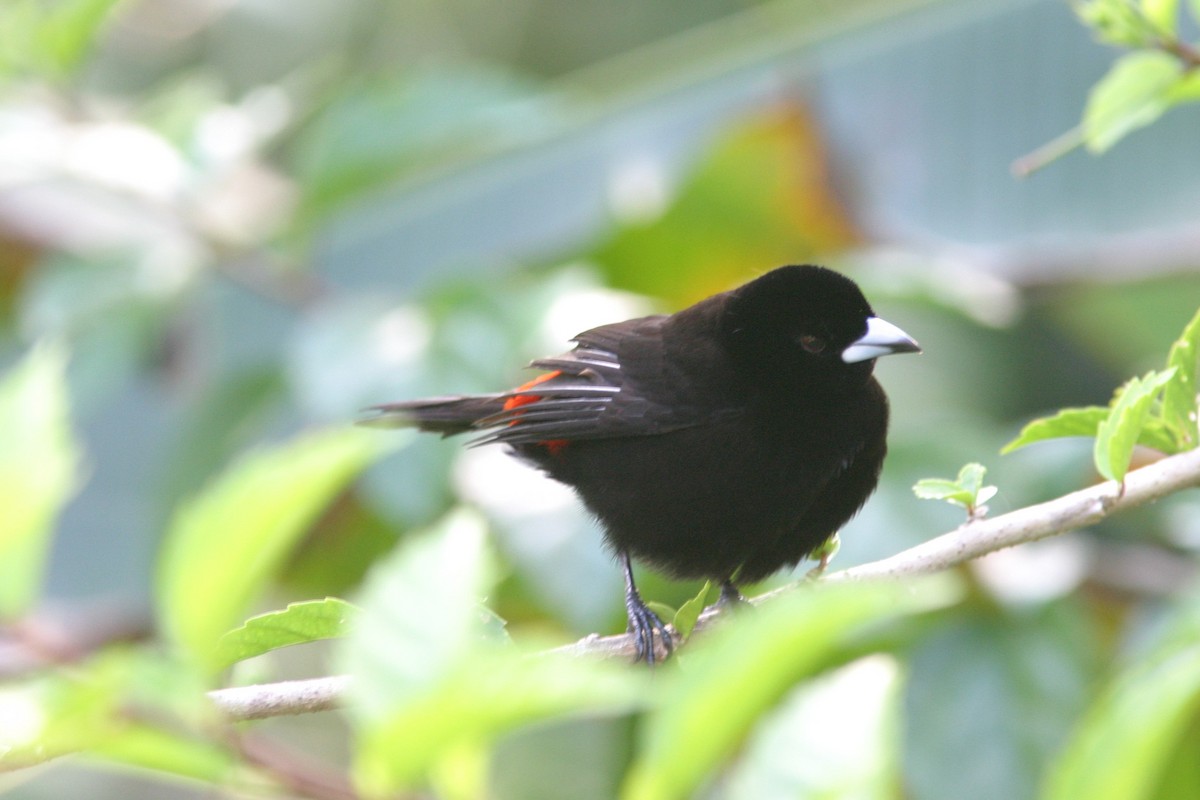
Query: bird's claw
{"type": "Point", "coordinates": [643, 623]}
{"type": "Point", "coordinates": [730, 597]}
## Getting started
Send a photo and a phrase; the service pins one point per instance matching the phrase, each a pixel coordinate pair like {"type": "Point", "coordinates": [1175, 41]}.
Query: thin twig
{"type": "Point", "coordinates": [1189, 60]}
{"type": "Point", "coordinates": [1046, 154]}
{"type": "Point", "coordinates": [280, 699]}
{"type": "Point", "coordinates": [1188, 55]}
{"type": "Point", "coordinates": [970, 541]}
{"type": "Point", "coordinates": [64, 633]}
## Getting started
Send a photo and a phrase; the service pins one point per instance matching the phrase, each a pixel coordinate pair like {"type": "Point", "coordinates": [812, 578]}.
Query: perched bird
{"type": "Point", "coordinates": [725, 441]}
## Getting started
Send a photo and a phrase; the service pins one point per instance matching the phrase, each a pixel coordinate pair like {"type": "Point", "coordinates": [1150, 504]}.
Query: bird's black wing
{"type": "Point", "coordinates": [620, 380]}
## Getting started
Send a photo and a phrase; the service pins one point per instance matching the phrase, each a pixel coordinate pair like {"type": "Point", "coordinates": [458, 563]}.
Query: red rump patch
{"type": "Point", "coordinates": [554, 446]}
{"type": "Point", "coordinates": [518, 400]}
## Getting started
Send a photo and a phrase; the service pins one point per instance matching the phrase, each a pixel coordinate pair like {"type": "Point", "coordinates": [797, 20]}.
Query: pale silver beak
{"type": "Point", "coordinates": [881, 339]}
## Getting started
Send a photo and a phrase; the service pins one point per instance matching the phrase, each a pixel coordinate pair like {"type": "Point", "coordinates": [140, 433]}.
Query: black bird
{"type": "Point", "coordinates": [725, 441]}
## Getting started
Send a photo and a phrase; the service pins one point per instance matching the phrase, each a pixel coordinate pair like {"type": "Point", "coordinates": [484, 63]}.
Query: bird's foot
{"type": "Point", "coordinates": [730, 597]}
{"type": "Point", "coordinates": [643, 624]}
{"type": "Point", "coordinates": [642, 621]}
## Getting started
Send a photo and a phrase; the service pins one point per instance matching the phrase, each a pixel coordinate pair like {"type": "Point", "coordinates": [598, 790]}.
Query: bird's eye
{"type": "Point", "coordinates": [813, 344]}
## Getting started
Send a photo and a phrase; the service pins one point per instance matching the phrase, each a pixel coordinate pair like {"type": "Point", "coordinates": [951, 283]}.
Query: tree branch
{"type": "Point", "coordinates": [1066, 513]}
{"type": "Point", "coordinates": [281, 699]}
{"type": "Point", "coordinates": [969, 541]}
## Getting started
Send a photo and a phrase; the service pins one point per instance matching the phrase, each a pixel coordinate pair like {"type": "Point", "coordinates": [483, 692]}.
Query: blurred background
{"type": "Point", "coordinates": [249, 217]}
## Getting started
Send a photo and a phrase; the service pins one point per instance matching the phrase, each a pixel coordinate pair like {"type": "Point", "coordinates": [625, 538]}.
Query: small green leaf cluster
{"type": "Point", "coordinates": [1130, 23]}
{"type": "Point", "coordinates": [1162, 72]}
{"type": "Point", "coordinates": [1157, 410]}
{"type": "Point", "coordinates": [967, 490]}
{"type": "Point", "coordinates": [39, 470]}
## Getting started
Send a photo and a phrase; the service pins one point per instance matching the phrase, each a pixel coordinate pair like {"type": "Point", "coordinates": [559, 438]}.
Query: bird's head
{"type": "Point", "coordinates": [801, 327]}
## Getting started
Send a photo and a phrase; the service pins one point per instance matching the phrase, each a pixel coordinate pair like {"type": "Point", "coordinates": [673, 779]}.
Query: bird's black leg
{"type": "Point", "coordinates": [730, 596]}
{"type": "Point", "coordinates": [642, 621]}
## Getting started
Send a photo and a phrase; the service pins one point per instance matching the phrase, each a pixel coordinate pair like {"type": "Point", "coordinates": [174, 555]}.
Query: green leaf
{"type": "Point", "coordinates": [1085, 422]}
{"type": "Point", "coordinates": [970, 477]}
{"type": "Point", "coordinates": [50, 39]}
{"type": "Point", "coordinates": [53, 716]}
{"type": "Point", "coordinates": [489, 694]}
{"type": "Point", "coordinates": [430, 677]}
{"type": "Point", "coordinates": [493, 627]}
{"type": "Point", "coordinates": [226, 544]}
{"type": "Point", "coordinates": [1124, 741]}
{"type": "Point", "coordinates": [1119, 22]}
{"type": "Point", "coordinates": [662, 610]}
{"type": "Point", "coordinates": [419, 617]}
{"type": "Point", "coordinates": [88, 709]}
{"type": "Point", "coordinates": [1179, 778]}
{"type": "Point", "coordinates": [1157, 436]}
{"type": "Point", "coordinates": [166, 752]}
{"type": "Point", "coordinates": [942, 489]}
{"type": "Point", "coordinates": [1135, 92]}
{"type": "Point", "coordinates": [18, 18]}
{"type": "Point", "coordinates": [967, 490]}
{"type": "Point", "coordinates": [1181, 396]}
{"type": "Point", "coordinates": [824, 553]}
{"type": "Point", "coordinates": [1163, 14]}
{"type": "Point", "coordinates": [302, 622]}
{"type": "Point", "coordinates": [1117, 435]}
{"type": "Point", "coordinates": [740, 671]}
{"type": "Point", "coordinates": [685, 618]}
{"type": "Point", "coordinates": [1068, 422]}
{"type": "Point", "coordinates": [791, 754]}
{"type": "Point", "coordinates": [69, 30]}
{"type": "Point", "coordinates": [39, 470]}
{"type": "Point", "coordinates": [1187, 90]}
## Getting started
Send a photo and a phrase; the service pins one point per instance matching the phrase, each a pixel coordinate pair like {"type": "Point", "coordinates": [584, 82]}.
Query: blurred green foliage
{"type": "Point", "coordinates": [225, 227]}
{"type": "Point", "coordinates": [1161, 71]}
{"type": "Point", "coordinates": [38, 472]}
{"type": "Point", "coordinates": [1156, 410]}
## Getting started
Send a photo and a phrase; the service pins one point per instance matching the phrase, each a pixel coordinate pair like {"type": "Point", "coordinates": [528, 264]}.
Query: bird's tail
{"type": "Point", "coordinates": [444, 415]}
